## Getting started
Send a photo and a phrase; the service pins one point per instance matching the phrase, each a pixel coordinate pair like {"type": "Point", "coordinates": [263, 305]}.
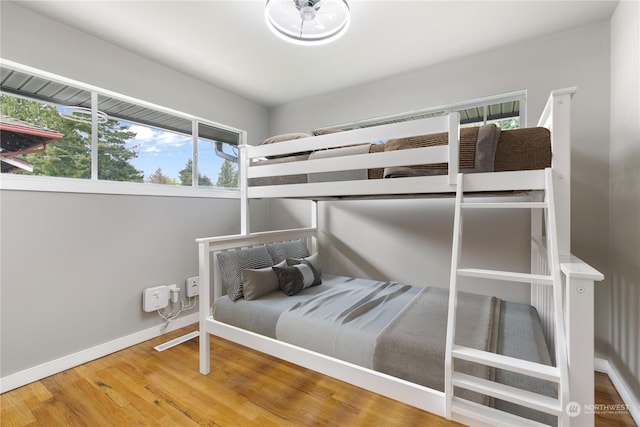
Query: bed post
{"type": "Point", "coordinates": [454, 147]}
{"type": "Point", "coordinates": [578, 276]}
{"type": "Point", "coordinates": [243, 164]}
{"type": "Point", "coordinates": [205, 303]}
{"type": "Point", "coordinates": [314, 224]}
{"type": "Point", "coordinates": [557, 118]}
{"type": "Point", "coordinates": [579, 312]}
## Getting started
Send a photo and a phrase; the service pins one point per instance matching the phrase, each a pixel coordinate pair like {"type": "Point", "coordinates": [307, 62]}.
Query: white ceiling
{"type": "Point", "coordinates": [227, 44]}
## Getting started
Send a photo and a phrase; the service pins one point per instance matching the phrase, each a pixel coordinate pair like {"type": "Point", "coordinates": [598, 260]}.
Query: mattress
{"type": "Point", "coordinates": [482, 149]}
{"type": "Point", "coordinates": [517, 333]}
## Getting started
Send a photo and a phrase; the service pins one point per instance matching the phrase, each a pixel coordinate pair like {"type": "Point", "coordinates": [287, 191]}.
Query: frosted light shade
{"type": "Point", "coordinates": [308, 22]}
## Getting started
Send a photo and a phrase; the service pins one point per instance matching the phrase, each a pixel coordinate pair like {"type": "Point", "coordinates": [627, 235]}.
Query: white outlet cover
{"type": "Point", "coordinates": [193, 286]}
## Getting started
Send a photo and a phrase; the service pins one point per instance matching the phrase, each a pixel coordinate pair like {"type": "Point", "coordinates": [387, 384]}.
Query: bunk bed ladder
{"type": "Point", "coordinates": [557, 374]}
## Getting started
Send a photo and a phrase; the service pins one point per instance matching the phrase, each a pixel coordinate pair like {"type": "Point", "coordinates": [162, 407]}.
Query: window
{"type": "Point", "coordinates": [506, 111]}
{"type": "Point", "coordinates": [62, 129]}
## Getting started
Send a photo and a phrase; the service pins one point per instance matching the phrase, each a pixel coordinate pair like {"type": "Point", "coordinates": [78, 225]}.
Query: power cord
{"type": "Point", "coordinates": [168, 318]}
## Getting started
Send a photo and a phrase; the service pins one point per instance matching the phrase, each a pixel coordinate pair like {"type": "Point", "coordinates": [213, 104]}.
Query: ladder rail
{"type": "Point", "coordinates": [456, 252]}
{"type": "Point", "coordinates": [559, 373]}
{"type": "Point", "coordinates": [554, 266]}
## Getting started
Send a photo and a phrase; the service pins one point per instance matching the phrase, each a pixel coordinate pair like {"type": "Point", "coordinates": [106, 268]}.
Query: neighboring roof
{"type": "Point", "coordinates": [18, 137]}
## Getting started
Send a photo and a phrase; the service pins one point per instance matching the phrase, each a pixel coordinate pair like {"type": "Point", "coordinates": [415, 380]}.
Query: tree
{"type": "Point", "coordinates": [159, 178]}
{"type": "Point", "coordinates": [512, 123]}
{"type": "Point", "coordinates": [228, 176]}
{"type": "Point", "coordinates": [70, 156]}
{"type": "Point", "coordinates": [186, 176]}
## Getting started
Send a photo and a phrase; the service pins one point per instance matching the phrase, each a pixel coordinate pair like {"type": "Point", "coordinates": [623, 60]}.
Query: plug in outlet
{"type": "Point", "coordinates": [193, 286]}
{"type": "Point", "coordinates": [174, 292]}
{"type": "Point", "coordinates": [155, 298]}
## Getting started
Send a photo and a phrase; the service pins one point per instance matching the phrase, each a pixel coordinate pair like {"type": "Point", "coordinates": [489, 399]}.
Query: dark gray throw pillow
{"type": "Point", "coordinates": [296, 278]}
{"type": "Point", "coordinates": [312, 261]}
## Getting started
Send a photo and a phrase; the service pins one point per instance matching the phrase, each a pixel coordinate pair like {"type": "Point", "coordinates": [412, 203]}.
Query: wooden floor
{"type": "Point", "coordinates": [139, 386]}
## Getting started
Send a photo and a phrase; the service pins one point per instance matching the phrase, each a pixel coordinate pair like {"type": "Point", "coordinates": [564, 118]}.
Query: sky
{"type": "Point", "coordinates": [170, 152]}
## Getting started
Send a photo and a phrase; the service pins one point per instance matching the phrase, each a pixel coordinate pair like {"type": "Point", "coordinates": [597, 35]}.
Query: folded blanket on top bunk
{"type": "Point", "coordinates": [482, 149]}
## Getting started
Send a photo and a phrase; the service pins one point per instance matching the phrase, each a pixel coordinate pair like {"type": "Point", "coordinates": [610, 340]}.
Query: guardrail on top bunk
{"type": "Point", "coordinates": [426, 155]}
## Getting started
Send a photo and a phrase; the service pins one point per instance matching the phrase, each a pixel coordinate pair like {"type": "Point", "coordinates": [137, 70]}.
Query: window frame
{"type": "Point", "coordinates": [93, 184]}
{"type": "Point", "coordinates": [519, 95]}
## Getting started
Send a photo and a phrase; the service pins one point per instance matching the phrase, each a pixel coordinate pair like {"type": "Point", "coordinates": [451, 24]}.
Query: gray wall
{"type": "Point", "coordinates": [574, 58]}
{"type": "Point", "coordinates": [74, 265]}
{"type": "Point", "coordinates": [624, 281]}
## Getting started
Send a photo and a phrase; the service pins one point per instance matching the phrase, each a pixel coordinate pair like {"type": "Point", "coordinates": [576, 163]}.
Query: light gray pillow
{"type": "Point", "coordinates": [233, 262]}
{"type": "Point", "coordinates": [257, 282]}
{"type": "Point", "coordinates": [283, 250]}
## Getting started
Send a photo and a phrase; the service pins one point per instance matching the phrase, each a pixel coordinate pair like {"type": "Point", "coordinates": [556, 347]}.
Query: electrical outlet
{"type": "Point", "coordinates": [155, 298]}
{"type": "Point", "coordinates": [193, 286]}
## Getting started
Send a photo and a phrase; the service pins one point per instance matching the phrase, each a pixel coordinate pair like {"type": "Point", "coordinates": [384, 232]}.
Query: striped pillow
{"type": "Point", "coordinates": [233, 262]}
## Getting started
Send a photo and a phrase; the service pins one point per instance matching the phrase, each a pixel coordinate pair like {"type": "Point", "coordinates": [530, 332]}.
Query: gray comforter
{"type": "Point", "coordinates": [396, 329]}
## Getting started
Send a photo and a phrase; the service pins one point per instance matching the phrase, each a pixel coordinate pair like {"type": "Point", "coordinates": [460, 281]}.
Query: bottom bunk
{"type": "Point", "coordinates": [399, 330]}
{"type": "Point", "coordinates": [382, 336]}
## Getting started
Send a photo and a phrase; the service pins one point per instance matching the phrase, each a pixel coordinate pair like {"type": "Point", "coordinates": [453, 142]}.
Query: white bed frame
{"type": "Point", "coordinates": [577, 277]}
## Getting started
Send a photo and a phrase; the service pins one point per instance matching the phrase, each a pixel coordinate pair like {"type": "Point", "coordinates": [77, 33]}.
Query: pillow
{"type": "Point", "coordinates": [296, 278]}
{"type": "Point", "coordinates": [257, 282]}
{"type": "Point", "coordinates": [313, 261]}
{"type": "Point", "coordinates": [325, 131]}
{"type": "Point", "coordinates": [233, 262]}
{"type": "Point", "coordinates": [283, 250]}
{"type": "Point", "coordinates": [284, 137]}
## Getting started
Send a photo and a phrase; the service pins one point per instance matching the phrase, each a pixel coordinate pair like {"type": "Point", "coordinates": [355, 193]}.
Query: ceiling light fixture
{"type": "Point", "coordinates": [308, 22]}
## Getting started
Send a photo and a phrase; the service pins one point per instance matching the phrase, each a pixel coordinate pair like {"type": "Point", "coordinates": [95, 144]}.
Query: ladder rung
{"type": "Point", "coordinates": [504, 205]}
{"type": "Point", "coordinates": [506, 275]}
{"type": "Point", "coordinates": [525, 367]}
{"type": "Point", "coordinates": [511, 394]}
{"type": "Point", "coordinates": [490, 416]}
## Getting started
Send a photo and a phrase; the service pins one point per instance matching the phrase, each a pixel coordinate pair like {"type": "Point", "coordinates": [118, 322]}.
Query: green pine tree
{"type": "Point", "coordinates": [159, 178]}
{"type": "Point", "coordinates": [228, 176]}
{"type": "Point", "coordinates": [70, 156]}
{"type": "Point", "coordinates": [186, 175]}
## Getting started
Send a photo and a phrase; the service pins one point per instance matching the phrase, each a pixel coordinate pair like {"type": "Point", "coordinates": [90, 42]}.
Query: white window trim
{"type": "Point", "coordinates": [96, 186]}
{"type": "Point", "coordinates": [88, 186]}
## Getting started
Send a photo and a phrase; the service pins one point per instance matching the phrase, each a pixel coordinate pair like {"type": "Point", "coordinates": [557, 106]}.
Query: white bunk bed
{"type": "Point", "coordinates": [556, 275]}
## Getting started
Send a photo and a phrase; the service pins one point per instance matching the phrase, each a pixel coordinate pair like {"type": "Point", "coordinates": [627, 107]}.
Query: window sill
{"type": "Point", "coordinates": [74, 185]}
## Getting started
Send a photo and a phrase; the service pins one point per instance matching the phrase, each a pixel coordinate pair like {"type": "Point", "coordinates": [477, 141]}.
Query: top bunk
{"type": "Point", "coordinates": [418, 158]}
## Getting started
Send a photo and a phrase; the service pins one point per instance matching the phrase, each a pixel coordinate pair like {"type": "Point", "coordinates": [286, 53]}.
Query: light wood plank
{"type": "Point", "coordinates": [139, 386]}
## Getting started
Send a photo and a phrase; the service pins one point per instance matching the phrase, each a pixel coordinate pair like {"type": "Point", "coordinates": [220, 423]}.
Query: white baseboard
{"type": "Point", "coordinates": [633, 405]}
{"type": "Point", "coordinates": [46, 369]}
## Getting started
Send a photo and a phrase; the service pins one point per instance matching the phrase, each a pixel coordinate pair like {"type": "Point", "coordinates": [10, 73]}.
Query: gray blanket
{"type": "Point", "coordinates": [412, 347]}
{"type": "Point", "coordinates": [344, 322]}
{"type": "Point", "coordinates": [395, 329]}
